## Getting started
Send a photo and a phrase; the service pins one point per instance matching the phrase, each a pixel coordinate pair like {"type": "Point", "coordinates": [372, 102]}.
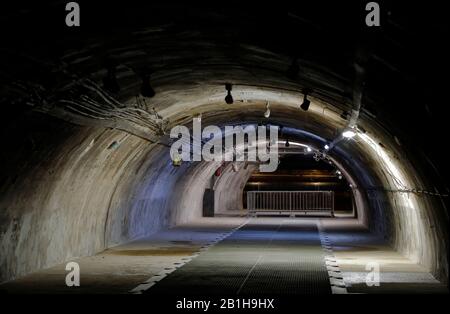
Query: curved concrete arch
{"type": "Point", "coordinates": [150, 207]}
{"type": "Point", "coordinates": [73, 190]}
{"type": "Point", "coordinates": [229, 187]}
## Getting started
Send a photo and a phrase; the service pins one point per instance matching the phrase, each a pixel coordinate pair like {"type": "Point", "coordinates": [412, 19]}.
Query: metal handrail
{"type": "Point", "coordinates": [291, 201]}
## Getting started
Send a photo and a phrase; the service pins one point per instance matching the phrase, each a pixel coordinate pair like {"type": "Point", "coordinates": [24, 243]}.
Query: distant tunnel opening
{"type": "Point", "coordinates": [299, 172]}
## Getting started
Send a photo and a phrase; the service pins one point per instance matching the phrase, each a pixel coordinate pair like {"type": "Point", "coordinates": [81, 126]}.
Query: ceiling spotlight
{"type": "Point", "coordinates": [287, 144]}
{"type": "Point", "coordinates": [306, 102]}
{"type": "Point", "coordinates": [110, 80]}
{"type": "Point", "coordinates": [228, 98]}
{"type": "Point", "coordinates": [267, 113]}
{"type": "Point", "coordinates": [114, 145]}
{"type": "Point", "coordinates": [340, 177]}
{"type": "Point", "coordinates": [308, 149]}
{"type": "Point", "coordinates": [327, 147]}
{"type": "Point", "coordinates": [146, 89]}
{"type": "Point", "coordinates": [348, 133]}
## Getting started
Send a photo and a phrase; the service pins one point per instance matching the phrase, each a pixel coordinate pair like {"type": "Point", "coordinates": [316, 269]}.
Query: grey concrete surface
{"type": "Point", "coordinates": [79, 198]}
{"type": "Point", "coordinates": [121, 268]}
{"type": "Point", "coordinates": [356, 249]}
{"type": "Point", "coordinates": [264, 257]}
{"type": "Point", "coordinates": [275, 255]}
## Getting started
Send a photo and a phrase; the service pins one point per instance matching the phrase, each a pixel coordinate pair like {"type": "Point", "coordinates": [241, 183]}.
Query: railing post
{"type": "Point", "coordinates": [332, 203]}
{"type": "Point", "coordinates": [289, 201]}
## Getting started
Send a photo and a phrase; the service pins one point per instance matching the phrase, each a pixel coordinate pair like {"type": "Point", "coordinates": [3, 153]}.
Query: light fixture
{"type": "Point", "coordinates": [146, 89]}
{"type": "Point", "coordinates": [229, 98]}
{"type": "Point", "coordinates": [114, 145]}
{"type": "Point", "coordinates": [287, 142]}
{"type": "Point", "coordinates": [349, 133]}
{"type": "Point", "coordinates": [177, 160]}
{"type": "Point", "coordinates": [306, 102]}
{"type": "Point", "coordinates": [327, 147]}
{"type": "Point", "coordinates": [267, 113]}
{"type": "Point", "coordinates": [308, 149]}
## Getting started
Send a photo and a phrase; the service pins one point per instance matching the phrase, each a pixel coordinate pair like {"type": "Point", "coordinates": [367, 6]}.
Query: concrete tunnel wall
{"type": "Point", "coordinates": [63, 193]}
{"type": "Point", "coordinates": [77, 194]}
{"type": "Point", "coordinates": [229, 187]}
{"type": "Point", "coordinates": [63, 202]}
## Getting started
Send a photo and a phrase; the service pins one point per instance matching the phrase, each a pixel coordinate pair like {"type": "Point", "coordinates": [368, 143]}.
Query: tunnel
{"type": "Point", "coordinates": [88, 178]}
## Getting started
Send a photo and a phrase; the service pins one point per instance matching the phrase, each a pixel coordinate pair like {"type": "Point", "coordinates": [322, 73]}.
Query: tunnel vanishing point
{"type": "Point", "coordinates": [87, 175]}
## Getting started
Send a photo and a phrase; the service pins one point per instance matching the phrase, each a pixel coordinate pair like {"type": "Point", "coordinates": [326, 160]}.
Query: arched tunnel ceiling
{"type": "Point", "coordinates": [192, 51]}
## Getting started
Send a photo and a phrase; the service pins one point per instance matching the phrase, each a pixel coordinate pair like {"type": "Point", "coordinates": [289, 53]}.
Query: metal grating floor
{"type": "Point", "coordinates": [257, 259]}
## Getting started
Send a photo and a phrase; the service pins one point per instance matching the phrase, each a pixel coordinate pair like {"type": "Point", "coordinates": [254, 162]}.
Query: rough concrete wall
{"type": "Point", "coordinates": [417, 232]}
{"type": "Point", "coordinates": [56, 208]}
{"type": "Point", "coordinates": [433, 213]}
{"type": "Point", "coordinates": [75, 192]}
{"type": "Point", "coordinates": [67, 191]}
{"type": "Point", "coordinates": [380, 213]}
{"type": "Point", "coordinates": [138, 206]}
{"type": "Point", "coordinates": [80, 190]}
{"type": "Point", "coordinates": [437, 252]}
{"type": "Point", "coordinates": [230, 186]}
{"type": "Point", "coordinates": [187, 201]}
{"type": "Point", "coordinates": [415, 225]}
{"type": "Point", "coordinates": [412, 222]}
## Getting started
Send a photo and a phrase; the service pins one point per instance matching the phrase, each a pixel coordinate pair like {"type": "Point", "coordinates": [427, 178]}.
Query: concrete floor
{"type": "Point", "coordinates": [122, 268]}
{"type": "Point", "coordinates": [127, 267]}
{"type": "Point", "coordinates": [354, 247]}
{"type": "Point", "coordinates": [264, 257]}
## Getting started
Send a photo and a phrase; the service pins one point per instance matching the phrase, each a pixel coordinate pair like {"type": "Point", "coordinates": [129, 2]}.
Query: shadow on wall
{"type": "Point", "coordinates": [229, 187]}
{"type": "Point", "coordinates": [71, 191]}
